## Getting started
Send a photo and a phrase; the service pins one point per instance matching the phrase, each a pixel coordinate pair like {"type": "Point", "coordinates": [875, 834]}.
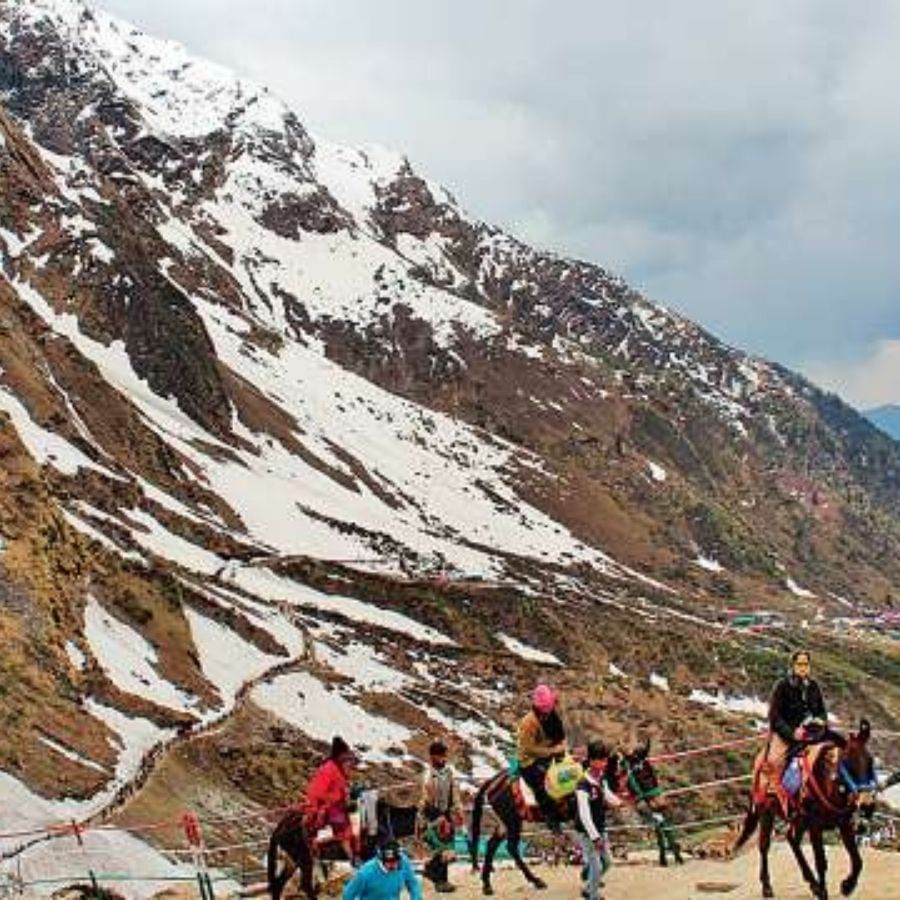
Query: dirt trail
{"type": "Point", "coordinates": [735, 879]}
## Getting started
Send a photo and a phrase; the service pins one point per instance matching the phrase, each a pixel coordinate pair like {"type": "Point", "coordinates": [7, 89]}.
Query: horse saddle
{"type": "Point", "coordinates": [527, 806]}
{"type": "Point", "coordinates": [788, 784]}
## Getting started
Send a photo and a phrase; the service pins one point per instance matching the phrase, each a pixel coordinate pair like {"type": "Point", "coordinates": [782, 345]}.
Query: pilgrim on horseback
{"type": "Point", "coordinates": [326, 806]}
{"type": "Point", "coordinates": [631, 774]}
{"type": "Point", "coordinates": [797, 718]}
{"type": "Point", "coordinates": [838, 781]}
{"type": "Point", "coordinates": [441, 814]}
{"type": "Point", "coordinates": [541, 739]}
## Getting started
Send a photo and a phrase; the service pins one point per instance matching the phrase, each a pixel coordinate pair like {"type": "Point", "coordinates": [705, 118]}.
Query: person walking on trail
{"type": "Point", "coordinates": [441, 814]}
{"type": "Point", "coordinates": [326, 815]}
{"type": "Point", "coordinates": [384, 877]}
{"type": "Point", "coordinates": [592, 799]}
{"type": "Point", "coordinates": [541, 737]}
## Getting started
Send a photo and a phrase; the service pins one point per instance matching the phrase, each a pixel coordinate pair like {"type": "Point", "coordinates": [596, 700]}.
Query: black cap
{"type": "Point", "coordinates": [597, 750]}
{"type": "Point", "coordinates": [339, 748]}
{"type": "Point", "coordinates": [389, 851]}
{"type": "Point", "coordinates": [437, 747]}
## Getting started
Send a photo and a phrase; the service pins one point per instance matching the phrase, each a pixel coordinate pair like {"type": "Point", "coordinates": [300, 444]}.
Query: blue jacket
{"type": "Point", "coordinates": [374, 882]}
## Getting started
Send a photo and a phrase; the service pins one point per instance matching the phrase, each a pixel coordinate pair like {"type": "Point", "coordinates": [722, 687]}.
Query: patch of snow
{"type": "Point", "coordinates": [532, 654]}
{"type": "Point", "coordinates": [90, 531]}
{"type": "Point", "coordinates": [176, 93]}
{"type": "Point", "coordinates": [108, 850]}
{"type": "Point", "coordinates": [266, 584]}
{"type": "Point", "coordinates": [796, 590]}
{"type": "Point", "coordinates": [101, 251]}
{"type": "Point", "coordinates": [159, 540]}
{"type": "Point", "coordinates": [364, 666]}
{"type": "Point", "coordinates": [616, 672]}
{"type": "Point", "coordinates": [76, 657]}
{"type": "Point", "coordinates": [659, 681]}
{"type": "Point", "coordinates": [135, 737]}
{"type": "Point", "coordinates": [657, 472]}
{"type": "Point", "coordinates": [129, 660]}
{"type": "Point", "coordinates": [226, 659]}
{"type": "Point", "coordinates": [734, 703]}
{"type": "Point", "coordinates": [708, 563]}
{"type": "Point", "coordinates": [56, 747]}
{"type": "Point", "coordinates": [46, 447]}
{"type": "Point", "coordinates": [306, 703]}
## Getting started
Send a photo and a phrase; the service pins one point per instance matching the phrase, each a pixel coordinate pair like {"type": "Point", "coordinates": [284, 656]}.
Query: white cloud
{"type": "Point", "coordinates": [866, 383]}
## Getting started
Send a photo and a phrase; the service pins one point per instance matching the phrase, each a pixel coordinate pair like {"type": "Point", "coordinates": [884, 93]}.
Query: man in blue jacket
{"type": "Point", "coordinates": [384, 877]}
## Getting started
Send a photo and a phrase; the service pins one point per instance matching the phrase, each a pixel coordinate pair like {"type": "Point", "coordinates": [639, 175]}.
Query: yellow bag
{"type": "Point", "coordinates": [563, 777]}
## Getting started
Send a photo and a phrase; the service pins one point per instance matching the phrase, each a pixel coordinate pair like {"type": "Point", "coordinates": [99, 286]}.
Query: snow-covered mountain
{"type": "Point", "coordinates": [289, 437]}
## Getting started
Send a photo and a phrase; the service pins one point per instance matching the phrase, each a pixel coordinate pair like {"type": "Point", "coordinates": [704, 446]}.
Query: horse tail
{"type": "Point", "coordinates": [475, 827]}
{"type": "Point", "coordinates": [750, 822]}
{"type": "Point", "coordinates": [272, 864]}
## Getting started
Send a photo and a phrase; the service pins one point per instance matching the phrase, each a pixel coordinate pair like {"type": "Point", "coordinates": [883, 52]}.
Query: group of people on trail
{"type": "Point", "coordinates": [327, 819]}
{"type": "Point", "coordinates": [797, 717]}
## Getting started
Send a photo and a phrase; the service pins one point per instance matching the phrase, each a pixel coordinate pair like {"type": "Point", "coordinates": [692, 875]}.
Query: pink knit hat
{"type": "Point", "coordinates": [544, 698]}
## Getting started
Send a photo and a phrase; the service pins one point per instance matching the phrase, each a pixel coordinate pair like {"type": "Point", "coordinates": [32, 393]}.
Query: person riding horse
{"type": "Point", "coordinates": [797, 716]}
{"type": "Point", "coordinates": [328, 796]}
{"type": "Point", "coordinates": [541, 738]}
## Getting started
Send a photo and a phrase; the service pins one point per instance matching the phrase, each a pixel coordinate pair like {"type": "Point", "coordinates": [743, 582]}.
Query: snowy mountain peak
{"type": "Point", "coordinates": [177, 93]}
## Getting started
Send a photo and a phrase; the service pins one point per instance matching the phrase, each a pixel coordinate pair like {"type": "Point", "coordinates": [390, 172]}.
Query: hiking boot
{"type": "Point", "coordinates": [444, 887]}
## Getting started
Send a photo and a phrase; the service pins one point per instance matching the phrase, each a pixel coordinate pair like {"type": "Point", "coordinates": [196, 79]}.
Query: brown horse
{"type": "Point", "coordinates": [837, 782]}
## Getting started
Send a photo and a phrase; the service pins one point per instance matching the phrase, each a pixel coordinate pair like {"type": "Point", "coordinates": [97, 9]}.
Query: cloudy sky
{"type": "Point", "coordinates": [739, 162]}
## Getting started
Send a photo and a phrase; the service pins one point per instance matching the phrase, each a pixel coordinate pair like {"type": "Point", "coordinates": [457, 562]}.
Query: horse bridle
{"type": "Point", "coordinates": [634, 785]}
{"type": "Point", "coordinates": [870, 785]}
{"type": "Point", "coordinates": [852, 786]}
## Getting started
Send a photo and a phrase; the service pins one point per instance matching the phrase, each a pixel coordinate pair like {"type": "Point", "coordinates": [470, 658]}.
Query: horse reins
{"type": "Point", "coordinates": [846, 778]}
{"type": "Point", "coordinates": [634, 784]}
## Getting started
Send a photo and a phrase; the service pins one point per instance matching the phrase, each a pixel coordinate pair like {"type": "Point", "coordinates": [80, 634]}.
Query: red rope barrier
{"type": "Point", "coordinates": [699, 751]}
{"type": "Point", "coordinates": [77, 829]}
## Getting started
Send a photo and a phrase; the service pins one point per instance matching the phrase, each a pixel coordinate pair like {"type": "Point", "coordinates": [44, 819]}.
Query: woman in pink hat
{"type": "Point", "coordinates": [541, 737]}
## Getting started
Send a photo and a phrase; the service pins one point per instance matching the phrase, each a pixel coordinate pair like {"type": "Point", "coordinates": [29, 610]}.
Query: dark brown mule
{"type": "Point", "coordinates": [291, 850]}
{"type": "Point", "coordinates": [837, 782]}
{"type": "Point", "coordinates": [630, 775]}
{"type": "Point", "coordinates": [505, 798]}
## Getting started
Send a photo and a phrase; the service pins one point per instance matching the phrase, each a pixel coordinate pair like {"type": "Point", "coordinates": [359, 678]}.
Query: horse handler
{"type": "Point", "coordinates": [441, 814]}
{"type": "Point", "coordinates": [592, 798]}
{"type": "Point", "coordinates": [384, 877]}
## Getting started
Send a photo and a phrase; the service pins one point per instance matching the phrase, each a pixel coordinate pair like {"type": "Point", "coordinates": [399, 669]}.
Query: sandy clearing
{"type": "Point", "coordinates": [736, 878]}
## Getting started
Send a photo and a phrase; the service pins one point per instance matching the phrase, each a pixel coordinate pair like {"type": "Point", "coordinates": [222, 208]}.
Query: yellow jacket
{"type": "Point", "coordinates": [532, 743]}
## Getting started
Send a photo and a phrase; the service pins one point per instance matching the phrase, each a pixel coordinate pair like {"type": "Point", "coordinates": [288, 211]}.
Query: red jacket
{"type": "Point", "coordinates": [328, 793]}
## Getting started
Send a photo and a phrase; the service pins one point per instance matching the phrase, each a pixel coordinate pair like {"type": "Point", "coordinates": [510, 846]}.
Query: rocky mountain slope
{"type": "Point", "coordinates": [293, 444]}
